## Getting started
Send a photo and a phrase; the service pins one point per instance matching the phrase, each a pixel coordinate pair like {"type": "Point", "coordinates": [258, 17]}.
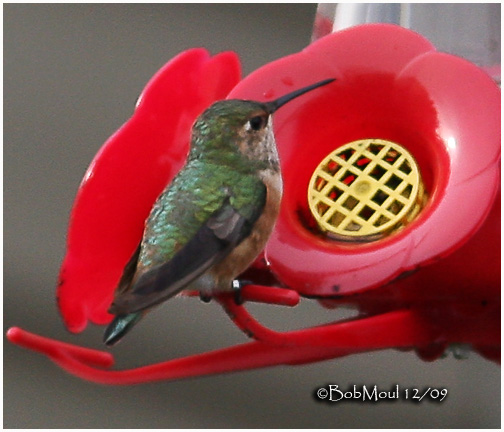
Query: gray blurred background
{"type": "Point", "coordinates": [72, 74]}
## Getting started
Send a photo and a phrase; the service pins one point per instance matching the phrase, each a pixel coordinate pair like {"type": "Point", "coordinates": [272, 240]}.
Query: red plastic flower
{"type": "Point", "coordinates": [391, 84]}
{"type": "Point", "coordinates": [126, 176]}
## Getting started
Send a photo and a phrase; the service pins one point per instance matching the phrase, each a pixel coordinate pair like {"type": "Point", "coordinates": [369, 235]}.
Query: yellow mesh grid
{"type": "Point", "coordinates": [365, 190]}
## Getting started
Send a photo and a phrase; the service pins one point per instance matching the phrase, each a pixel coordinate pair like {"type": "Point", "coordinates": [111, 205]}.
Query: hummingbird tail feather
{"type": "Point", "coordinates": [121, 325]}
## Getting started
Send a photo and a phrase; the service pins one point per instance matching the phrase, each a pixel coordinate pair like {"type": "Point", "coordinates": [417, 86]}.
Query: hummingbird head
{"type": "Point", "coordinates": [232, 130]}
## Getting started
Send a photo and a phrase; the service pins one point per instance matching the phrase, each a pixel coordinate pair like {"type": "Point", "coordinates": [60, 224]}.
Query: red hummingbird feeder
{"type": "Point", "coordinates": [391, 205]}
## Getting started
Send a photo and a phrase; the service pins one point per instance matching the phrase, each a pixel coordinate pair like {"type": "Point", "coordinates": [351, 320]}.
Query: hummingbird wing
{"type": "Point", "coordinates": [213, 241]}
{"type": "Point", "coordinates": [129, 271]}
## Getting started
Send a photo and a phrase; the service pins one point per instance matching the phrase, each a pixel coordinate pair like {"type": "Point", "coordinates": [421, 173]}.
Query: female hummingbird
{"type": "Point", "coordinates": [214, 218]}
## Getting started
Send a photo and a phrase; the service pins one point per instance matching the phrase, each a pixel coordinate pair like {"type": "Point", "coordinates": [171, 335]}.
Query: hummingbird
{"type": "Point", "coordinates": [214, 218]}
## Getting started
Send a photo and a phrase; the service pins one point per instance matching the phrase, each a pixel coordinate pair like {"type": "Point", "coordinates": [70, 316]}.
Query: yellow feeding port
{"type": "Point", "coordinates": [365, 190]}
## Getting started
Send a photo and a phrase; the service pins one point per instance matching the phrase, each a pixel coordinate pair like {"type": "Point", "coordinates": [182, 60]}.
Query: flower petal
{"type": "Point", "coordinates": [383, 48]}
{"type": "Point", "coordinates": [468, 106]}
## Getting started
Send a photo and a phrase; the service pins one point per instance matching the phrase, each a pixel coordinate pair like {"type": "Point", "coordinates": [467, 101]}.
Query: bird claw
{"type": "Point", "coordinates": [205, 298]}
{"type": "Point", "coordinates": [237, 287]}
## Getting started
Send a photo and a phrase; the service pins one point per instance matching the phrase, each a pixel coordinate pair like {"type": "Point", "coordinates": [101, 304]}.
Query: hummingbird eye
{"type": "Point", "coordinates": [258, 122]}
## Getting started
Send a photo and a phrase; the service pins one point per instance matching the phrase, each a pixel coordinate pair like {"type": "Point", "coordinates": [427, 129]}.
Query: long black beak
{"type": "Point", "coordinates": [277, 103]}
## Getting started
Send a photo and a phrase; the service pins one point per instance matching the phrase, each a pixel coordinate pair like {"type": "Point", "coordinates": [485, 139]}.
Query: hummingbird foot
{"type": "Point", "coordinates": [237, 286]}
{"type": "Point", "coordinates": [205, 297]}
{"type": "Point", "coordinates": [236, 290]}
